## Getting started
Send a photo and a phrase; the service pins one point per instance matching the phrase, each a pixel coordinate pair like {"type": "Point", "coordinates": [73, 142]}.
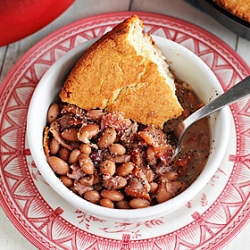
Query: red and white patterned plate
{"type": "Point", "coordinates": [209, 221]}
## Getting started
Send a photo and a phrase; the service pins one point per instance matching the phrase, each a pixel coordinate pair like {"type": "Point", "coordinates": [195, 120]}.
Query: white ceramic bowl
{"type": "Point", "coordinates": [188, 67]}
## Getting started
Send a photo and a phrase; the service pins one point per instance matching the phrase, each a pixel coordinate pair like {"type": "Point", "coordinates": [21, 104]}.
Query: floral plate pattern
{"type": "Point", "coordinates": [209, 221]}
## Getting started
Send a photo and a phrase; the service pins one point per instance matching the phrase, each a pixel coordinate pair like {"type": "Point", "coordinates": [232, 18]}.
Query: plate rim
{"type": "Point", "coordinates": [114, 14]}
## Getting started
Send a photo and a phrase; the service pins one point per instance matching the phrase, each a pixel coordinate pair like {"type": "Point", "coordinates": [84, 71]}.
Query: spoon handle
{"type": "Point", "coordinates": [234, 94]}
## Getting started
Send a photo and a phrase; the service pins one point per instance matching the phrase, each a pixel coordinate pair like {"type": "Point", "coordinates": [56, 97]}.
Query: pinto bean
{"type": "Point", "coordinates": [153, 187]}
{"type": "Point", "coordinates": [87, 132]}
{"type": "Point", "coordinates": [64, 154]}
{"type": "Point", "coordinates": [53, 113]}
{"type": "Point", "coordinates": [58, 165]}
{"type": "Point", "coordinates": [107, 167]}
{"type": "Point", "coordinates": [74, 156]}
{"type": "Point", "coordinates": [163, 193]}
{"type": "Point", "coordinates": [107, 138]}
{"type": "Point", "coordinates": [67, 181]}
{"type": "Point", "coordinates": [125, 169]}
{"type": "Point", "coordinates": [85, 148]}
{"type": "Point", "coordinates": [117, 149]}
{"type": "Point", "coordinates": [123, 204]}
{"type": "Point", "coordinates": [92, 196]}
{"type": "Point", "coordinates": [69, 134]}
{"type": "Point", "coordinates": [54, 146]}
{"type": "Point", "coordinates": [139, 203]}
{"type": "Point", "coordinates": [86, 164]}
{"type": "Point", "coordinates": [74, 144]}
{"type": "Point", "coordinates": [112, 195]}
{"type": "Point", "coordinates": [105, 202]}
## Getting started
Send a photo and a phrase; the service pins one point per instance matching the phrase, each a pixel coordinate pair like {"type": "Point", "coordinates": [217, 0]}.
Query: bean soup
{"type": "Point", "coordinates": [117, 163]}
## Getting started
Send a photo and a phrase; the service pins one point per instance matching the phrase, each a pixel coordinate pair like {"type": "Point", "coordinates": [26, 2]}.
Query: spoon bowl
{"type": "Point", "coordinates": [237, 92]}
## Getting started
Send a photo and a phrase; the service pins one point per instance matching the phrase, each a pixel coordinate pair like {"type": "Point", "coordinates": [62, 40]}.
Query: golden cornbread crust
{"type": "Point", "coordinates": [240, 8]}
{"type": "Point", "coordinates": [111, 75]}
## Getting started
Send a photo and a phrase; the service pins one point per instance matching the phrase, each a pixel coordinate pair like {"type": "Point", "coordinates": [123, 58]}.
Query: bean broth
{"type": "Point", "coordinates": [115, 162]}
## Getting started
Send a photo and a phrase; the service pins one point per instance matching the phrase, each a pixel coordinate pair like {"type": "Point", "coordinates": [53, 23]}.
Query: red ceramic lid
{"type": "Point", "coordinates": [20, 18]}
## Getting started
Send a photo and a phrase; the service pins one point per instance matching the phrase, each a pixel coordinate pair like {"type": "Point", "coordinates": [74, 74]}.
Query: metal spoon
{"type": "Point", "coordinates": [237, 92]}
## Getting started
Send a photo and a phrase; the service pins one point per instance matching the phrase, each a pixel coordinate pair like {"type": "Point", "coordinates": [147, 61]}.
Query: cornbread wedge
{"type": "Point", "coordinates": [124, 71]}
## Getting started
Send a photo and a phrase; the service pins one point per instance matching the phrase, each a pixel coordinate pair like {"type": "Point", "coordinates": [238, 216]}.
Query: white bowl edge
{"type": "Point", "coordinates": [50, 177]}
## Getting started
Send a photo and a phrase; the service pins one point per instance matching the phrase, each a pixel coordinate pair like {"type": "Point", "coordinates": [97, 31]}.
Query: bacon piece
{"type": "Point", "coordinates": [114, 182]}
{"type": "Point", "coordinates": [115, 120]}
{"type": "Point", "coordinates": [136, 189]}
{"type": "Point", "coordinates": [73, 109]}
{"type": "Point", "coordinates": [158, 140]}
{"type": "Point", "coordinates": [55, 130]}
{"type": "Point", "coordinates": [76, 172]}
{"type": "Point", "coordinates": [81, 189]}
{"type": "Point", "coordinates": [46, 142]}
{"type": "Point", "coordinates": [129, 133]}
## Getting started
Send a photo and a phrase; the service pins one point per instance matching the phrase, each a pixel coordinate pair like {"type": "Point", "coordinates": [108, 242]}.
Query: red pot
{"type": "Point", "coordinates": [20, 18]}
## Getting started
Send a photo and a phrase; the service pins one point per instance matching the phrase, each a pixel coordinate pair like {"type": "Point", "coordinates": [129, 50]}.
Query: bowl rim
{"type": "Point", "coordinates": [155, 211]}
